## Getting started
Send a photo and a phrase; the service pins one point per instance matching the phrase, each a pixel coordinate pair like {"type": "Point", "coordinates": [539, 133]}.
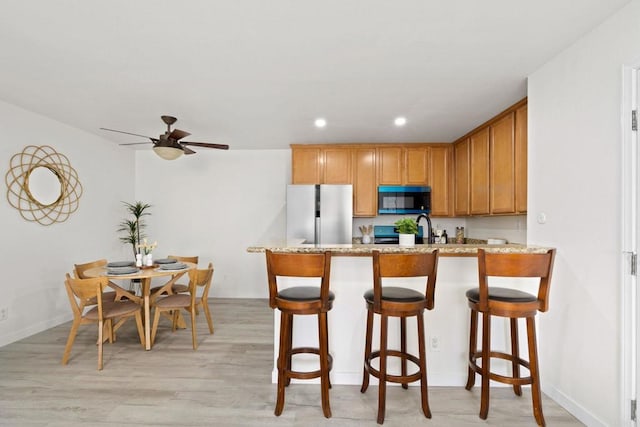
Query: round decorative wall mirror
{"type": "Point", "coordinates": [42, 185]}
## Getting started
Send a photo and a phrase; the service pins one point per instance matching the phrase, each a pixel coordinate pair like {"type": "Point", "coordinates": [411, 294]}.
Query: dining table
{"type": "Point", "coordinates": [145, 274]}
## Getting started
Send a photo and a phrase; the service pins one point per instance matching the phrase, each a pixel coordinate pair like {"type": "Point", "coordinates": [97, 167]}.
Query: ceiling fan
{"type": "Point", "coordinates": [168, 145]}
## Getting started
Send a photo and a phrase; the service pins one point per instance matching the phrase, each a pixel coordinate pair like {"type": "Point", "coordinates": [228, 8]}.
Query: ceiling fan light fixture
{"type": "Point", "coordinates": [168, 153]}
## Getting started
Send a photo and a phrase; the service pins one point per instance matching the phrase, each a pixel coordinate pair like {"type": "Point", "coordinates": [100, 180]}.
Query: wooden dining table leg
{"type": "Point", "coordinates": [146, 289]}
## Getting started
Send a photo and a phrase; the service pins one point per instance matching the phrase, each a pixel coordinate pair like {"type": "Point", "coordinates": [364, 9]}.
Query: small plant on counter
{"type": "Point", "coordinates": [407, 226]}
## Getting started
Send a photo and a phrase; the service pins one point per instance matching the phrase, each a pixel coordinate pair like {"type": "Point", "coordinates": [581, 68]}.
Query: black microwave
{"type": "Point", "coordinates": [404, 199]}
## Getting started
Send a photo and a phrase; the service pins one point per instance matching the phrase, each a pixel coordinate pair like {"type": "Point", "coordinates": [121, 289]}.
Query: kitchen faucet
{"type": "Point", "coordinates": [429, 229]}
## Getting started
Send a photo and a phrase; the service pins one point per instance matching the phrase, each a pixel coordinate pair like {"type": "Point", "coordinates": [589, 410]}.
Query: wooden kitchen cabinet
{"type": "Point", "coordinates": [320, 165]}
{"type": "Point", "coordinates": [521, 159]}
{"type": "Point", "coordinates": [420, 165]}
{"type": "Point", "coordinates": [416, 165]}
{"type": "Point", "coordinates": [399, 165]}
{"type": "Point", "coordinates": [390, 165]}
{"type": "Point", "coordinates": [365, 190]}
{"type": "Point", "coordinates": [337, 166]}
{"type": "Point", "coordinates": [366, 166]}
{"type": "Point", "coordinates": [491, 166]}
{"type": "Point", "coordinates": [462, 175]}
{"type": "Point", "coordinates": [502, 164]}
{"type": "Point", "coordinates": [306, 165]}
{"type": "Point", "coordinates": [439, 179]}
{"type": "Point", "coordinates": [479, 172]}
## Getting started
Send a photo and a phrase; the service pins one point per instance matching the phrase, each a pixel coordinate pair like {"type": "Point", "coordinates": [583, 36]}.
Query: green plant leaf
{"type": "Point", "coordinates": [406, 226]}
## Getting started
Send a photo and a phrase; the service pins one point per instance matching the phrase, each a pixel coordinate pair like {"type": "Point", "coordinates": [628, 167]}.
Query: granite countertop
{"type": "Point", "coordinates": [453, 250]}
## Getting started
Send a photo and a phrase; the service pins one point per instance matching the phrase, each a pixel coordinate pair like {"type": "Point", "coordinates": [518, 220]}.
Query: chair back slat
{"type": "Point", "coordinates": [87, 288]}
{"type": "Point", "coordinates": [192, 259]}
{"type": "Point", "coordinates": [297, 265]}
{"type": "Point", "coordinates": [200, 278]}
{"type": "Point", "coordinates": [79, 269]}
{"type": "Point", "coordinates": [406, 265]}
{"type": "Point", "coordinates": [517, 265]}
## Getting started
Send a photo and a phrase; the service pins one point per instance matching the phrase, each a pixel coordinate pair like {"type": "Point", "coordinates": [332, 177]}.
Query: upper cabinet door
{"type": "Point", "coordinates": [365, 191]}
{"type": "Point", "coordinates": [479, 159]}
{"type": "Point", "coordinates": [390, 166]}
{"type": "Point", "coordinates": [337, 166]}
{"type": "Point", "coordinates": [521, 159]}
{"type": "Point", "coordinates": [416, 165]}
{"type": "Point", "coordinates": [462, 167]}
{"type": "Point", "coordinates": [306, 165]}
{"type": "Point", "coordinates": [502, 162]}
{"type": "Point", "coordinates": [439, 180]}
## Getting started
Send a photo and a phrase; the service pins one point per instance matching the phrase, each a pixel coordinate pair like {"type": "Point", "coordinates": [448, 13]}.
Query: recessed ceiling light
{"type": "Point", "coordinates": [320, 123]}
{"type": "Point", "coordinates": [400, 121]}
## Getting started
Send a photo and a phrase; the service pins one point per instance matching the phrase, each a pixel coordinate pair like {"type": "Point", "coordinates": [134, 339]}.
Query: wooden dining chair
{"type": "Point", "coordinates": [103, 312]}
{"type": "Point", "coordinates": [177, 288]}
{"type": "Point", "coordinates": [114, 294]}
{"type": "Point", "coordinates": [189, 302]}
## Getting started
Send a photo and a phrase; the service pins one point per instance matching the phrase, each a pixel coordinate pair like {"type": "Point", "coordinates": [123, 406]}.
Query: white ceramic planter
{"type": "Point", "coordinates": [407, 239]}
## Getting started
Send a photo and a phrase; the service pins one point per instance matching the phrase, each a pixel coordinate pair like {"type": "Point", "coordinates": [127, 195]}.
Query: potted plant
{"type": "Point", "coordinates": [407, 229]}
{"type": "Point", "coordinates": [133, 228]}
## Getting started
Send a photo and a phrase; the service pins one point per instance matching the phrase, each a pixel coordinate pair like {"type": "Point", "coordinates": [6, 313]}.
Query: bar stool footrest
{"type": "Point", "coordinates": [473, 364]}
{"type": "Point", "coordinates": [310, 374]}
{"type": "Point", "coordinates": [400, 379]}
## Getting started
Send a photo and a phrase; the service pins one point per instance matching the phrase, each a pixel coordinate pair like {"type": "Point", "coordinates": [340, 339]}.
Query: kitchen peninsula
{"type": "Point", "coordinates": [446, 326]}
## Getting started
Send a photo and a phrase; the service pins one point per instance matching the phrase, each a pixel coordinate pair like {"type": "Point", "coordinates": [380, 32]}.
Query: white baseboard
{"type": "Point", "coordinates": [34, 329]}
{"type": "Point", "coordinates": [578, 411]}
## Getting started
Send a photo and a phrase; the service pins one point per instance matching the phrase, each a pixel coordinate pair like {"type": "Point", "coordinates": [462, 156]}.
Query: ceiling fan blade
{"type": "Point", "coordinates": [136, 143]}
{"type": "Point", "coordinates": [129, 133]}
{"type": "Point", "coordinates": [188, 150]}
{"type": "Point", "coordinates": [206, 145]}
{"type": "Point", "coordinates": [178, 134]}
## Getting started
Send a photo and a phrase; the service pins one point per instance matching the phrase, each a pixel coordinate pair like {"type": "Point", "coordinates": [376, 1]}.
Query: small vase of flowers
{"type": "Point", "coordinates": [146, 249]}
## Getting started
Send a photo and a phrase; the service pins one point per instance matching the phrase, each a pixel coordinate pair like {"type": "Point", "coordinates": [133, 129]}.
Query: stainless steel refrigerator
{"type": "Point", "coordinates": [319, 214]}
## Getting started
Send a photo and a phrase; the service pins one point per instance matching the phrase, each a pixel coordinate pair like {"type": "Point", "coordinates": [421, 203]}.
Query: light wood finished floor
{"type": "Point", "coordinates": [226, 382]}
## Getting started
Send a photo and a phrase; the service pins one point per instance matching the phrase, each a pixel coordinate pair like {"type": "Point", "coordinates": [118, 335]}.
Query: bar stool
{"type": "Point", "coordinates": [398, 302]}
{"type": "Point", "coordinates": [301, 300]}
{"type": "Point", "coordinates": [512, 304]}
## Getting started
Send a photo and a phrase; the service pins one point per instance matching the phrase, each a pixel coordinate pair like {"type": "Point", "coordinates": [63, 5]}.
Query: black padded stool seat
{"type": "Point", "coordinates": [501, 294]}
{"type": "Point", "coordinates": [396, 294]}
{"type": "Point", "coordinates": [512, 304]}
{"type": "Point", "coordinates": [303, 293]}
{"type": "Point", "coordinates": [400, 302]}
{"type": "Point", "coordinates": [301, 300]}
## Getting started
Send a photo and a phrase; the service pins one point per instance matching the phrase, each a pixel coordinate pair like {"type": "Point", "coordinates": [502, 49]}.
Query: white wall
{"type": "Point", "coordinates": [574, 177]}
{"type": "Point", "coordinates": [215, 204]}
{"type": "Point", "coordinates": [37, 257]}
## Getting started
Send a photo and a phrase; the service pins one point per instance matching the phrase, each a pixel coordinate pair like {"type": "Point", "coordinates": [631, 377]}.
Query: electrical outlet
{"type": "Point", "coordinates": [4, 313]}
{"type": "Point", "coordinates": [434, 343]}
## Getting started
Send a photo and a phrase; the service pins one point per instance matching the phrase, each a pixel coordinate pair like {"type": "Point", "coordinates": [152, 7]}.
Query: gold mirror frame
{"type": "Point", "coordinates": [20, 196]}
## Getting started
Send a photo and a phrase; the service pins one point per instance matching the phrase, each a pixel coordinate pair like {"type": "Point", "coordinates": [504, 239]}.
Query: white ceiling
{"type": "Point", "coordinates": [255, 74]}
